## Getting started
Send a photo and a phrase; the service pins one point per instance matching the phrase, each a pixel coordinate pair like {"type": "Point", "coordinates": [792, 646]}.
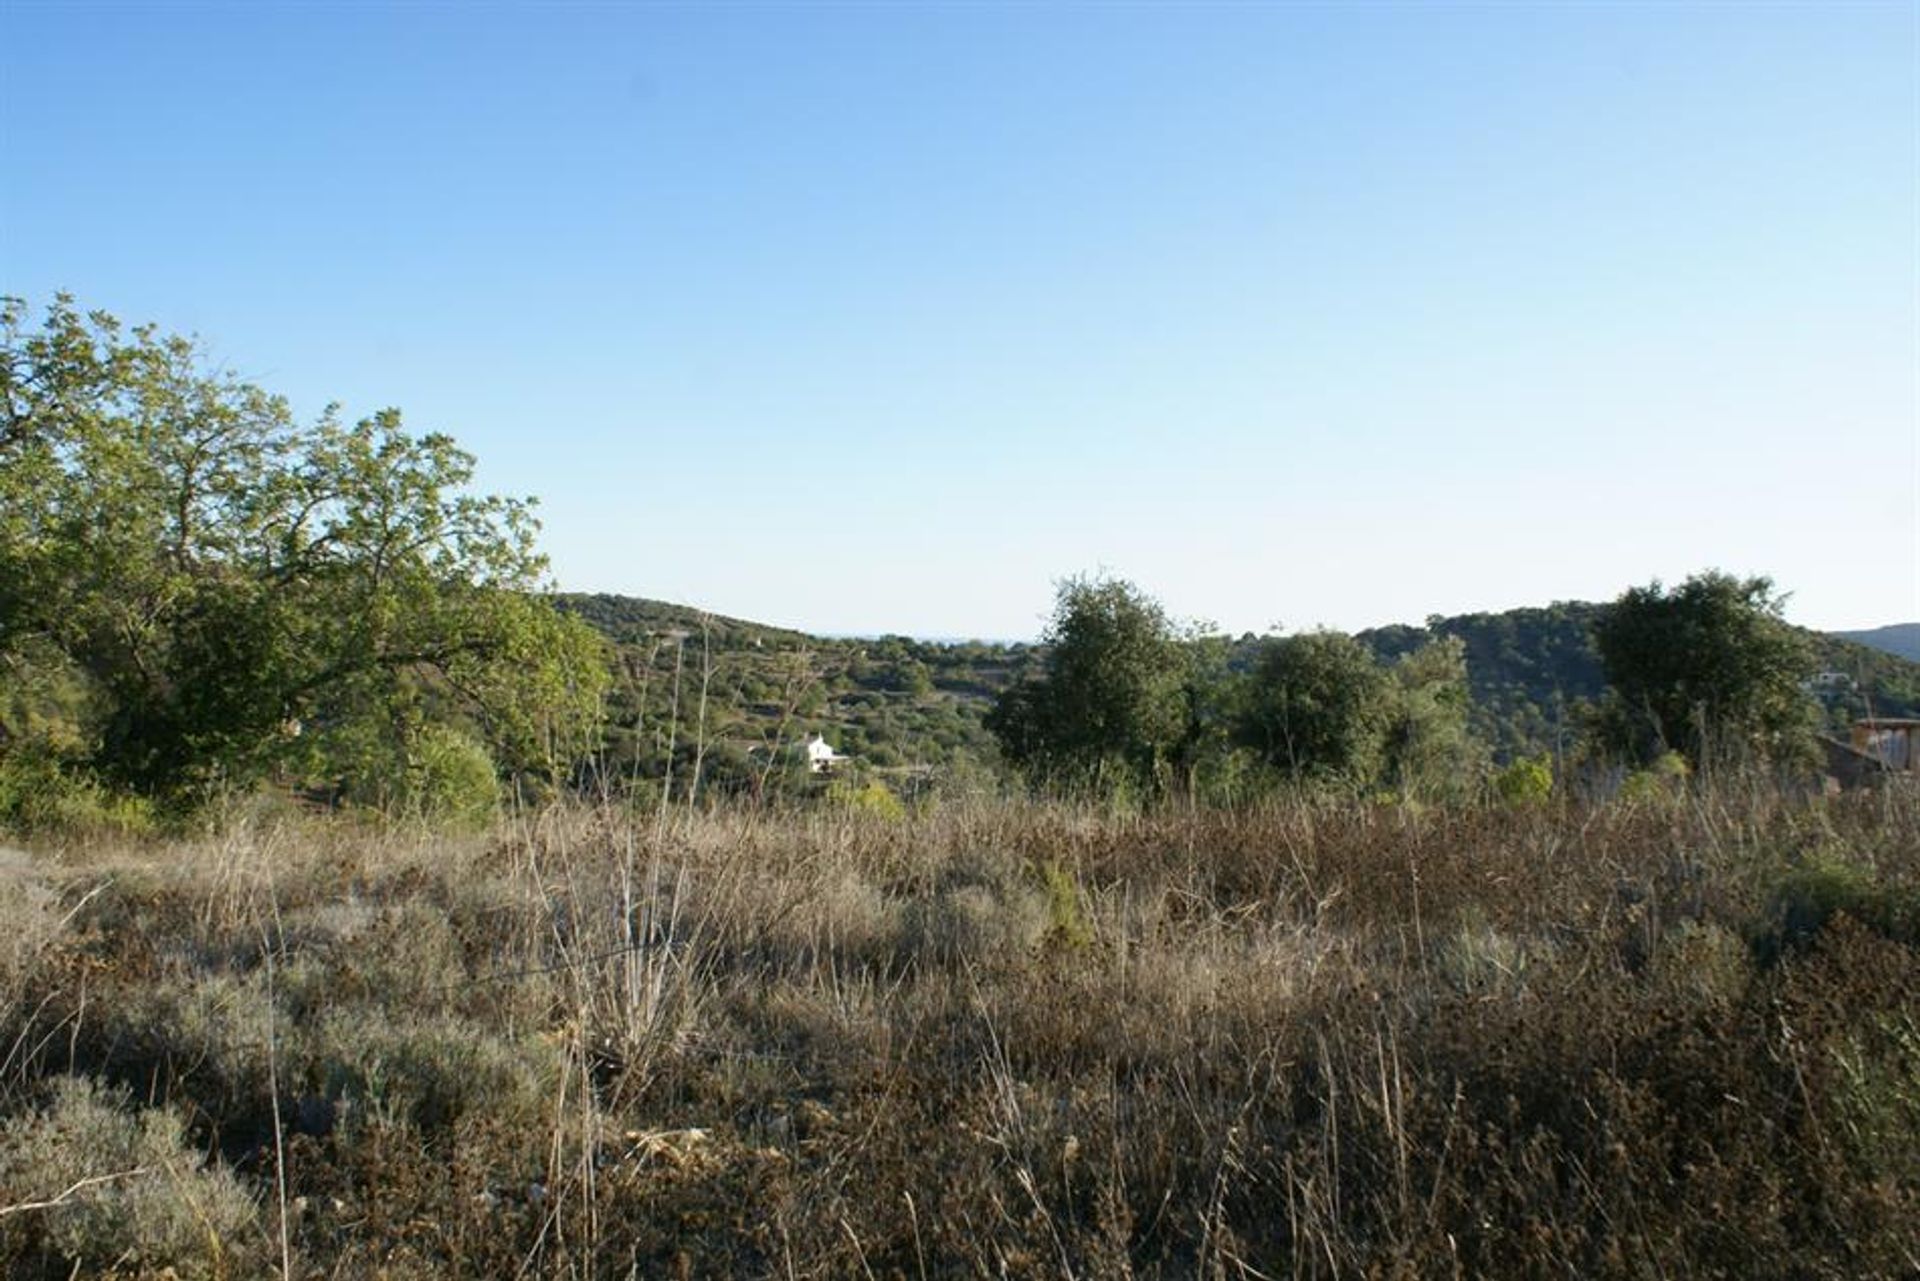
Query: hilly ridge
{"type": "Point", "coordinates": [718, 695]}
{"type": "Point", "coordinates": [1899, 639]}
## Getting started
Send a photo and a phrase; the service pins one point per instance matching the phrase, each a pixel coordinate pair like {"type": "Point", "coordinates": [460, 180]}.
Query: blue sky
{"type": "Point", "coordinates": [882, 318]}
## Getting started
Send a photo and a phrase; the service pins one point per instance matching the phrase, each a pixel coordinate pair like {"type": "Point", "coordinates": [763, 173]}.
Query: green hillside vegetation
{"type": "Point", "coordinates": [1899, 639]}
{"type": "Point", "coordinates": [201, 596]}
{"type": "Point", "coordinates": [1530, 671]}
{"type": "Point", "coordinates": [902, 705]}
{"type": "Point", "coordinates": [1884, 684]}
{"type": "Point", "coordinates": [378, 914]}
{"type": "Point", "coordinates": [699, 696]}
{"type": "Point", "coordinates": [1535, 673]}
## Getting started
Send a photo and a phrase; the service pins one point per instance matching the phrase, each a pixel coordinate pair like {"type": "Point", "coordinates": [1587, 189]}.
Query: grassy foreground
{"type": "Point", "coordinates": [1674, 1038]}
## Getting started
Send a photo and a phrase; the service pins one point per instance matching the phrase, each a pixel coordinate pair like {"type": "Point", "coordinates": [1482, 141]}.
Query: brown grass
{"type": "Point", "coordinates": [1679, 1038]}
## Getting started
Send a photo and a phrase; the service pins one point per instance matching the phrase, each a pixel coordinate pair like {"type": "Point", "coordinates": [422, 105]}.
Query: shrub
{"type": "Point", "coordinates": [1663, 780]}
{"type": "Point", "coordinates": [431, 1072]}
{"type": "Point", "coordinates": [41, 792]}
{"type": "Point", "coordinates": [982, 911]}
{"type": "Point", "coordinates": [1810, 896]}
{"type": "Point", "coordinates": [451, 780]}
{"type": "Point", "coordinates": [1528, 781]}
{"type": "Point", "coordinates": [153, 1204]}
{"type": "Point", "coordinates": [442, 777]}
{"type": "Point", "coordinates": [1312, 1034]}
{"type": "Point", "coordinates": [1066, 919]}
{"type": "Point", "coordinates": [1319, 706]}
{"type": "Point", "coordinates": [873, 799]}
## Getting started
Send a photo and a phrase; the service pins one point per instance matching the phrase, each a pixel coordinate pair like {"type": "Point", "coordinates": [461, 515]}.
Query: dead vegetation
{"type": "Point", "coordinates": [1677, 1037]}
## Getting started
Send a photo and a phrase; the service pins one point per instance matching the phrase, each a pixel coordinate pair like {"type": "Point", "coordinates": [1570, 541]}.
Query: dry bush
{"type": "Point", "coordinates": [1307, 1038]}
{"type": "Point", "coordinates": [93, 1185]}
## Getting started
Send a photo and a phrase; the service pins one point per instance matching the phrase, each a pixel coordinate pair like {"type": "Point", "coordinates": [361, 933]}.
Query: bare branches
{"type": "Point", "coordinates": [78, 1187]}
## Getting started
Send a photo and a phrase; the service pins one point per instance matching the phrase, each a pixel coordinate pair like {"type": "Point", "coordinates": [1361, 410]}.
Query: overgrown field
{"type": "Point", "coordinates": [1676, 1037]}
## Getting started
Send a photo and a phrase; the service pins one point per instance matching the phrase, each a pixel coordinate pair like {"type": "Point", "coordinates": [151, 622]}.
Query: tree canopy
{"type": "Point", "coordinates": [1317, 706]}
{"type": "Point", "coordinates": [1110, 701]}
{"type": "Point", "coordinates": [1707, 667]}
{"type": "Point", "coordinates": [221, 590]}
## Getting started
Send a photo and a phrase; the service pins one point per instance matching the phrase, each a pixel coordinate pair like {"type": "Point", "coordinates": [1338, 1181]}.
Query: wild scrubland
{"type": "Point", "coordinates": [377, 916]}
{"type": "Point", "coordinates": [1670, 1035]}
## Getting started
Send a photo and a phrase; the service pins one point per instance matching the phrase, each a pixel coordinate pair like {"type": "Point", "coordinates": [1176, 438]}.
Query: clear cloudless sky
{"type": "Point", "coordinates": [874, 318]}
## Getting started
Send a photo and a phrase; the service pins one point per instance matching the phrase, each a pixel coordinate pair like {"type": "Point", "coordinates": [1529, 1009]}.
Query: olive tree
{"type": "Point", "coordinates": [1430, 750]}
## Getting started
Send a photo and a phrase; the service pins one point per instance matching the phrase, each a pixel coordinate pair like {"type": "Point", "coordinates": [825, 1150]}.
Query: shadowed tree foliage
{"type": "Point", "coordinates": [1318, 705]}
{"type": "Point", "coordinates": [1709, 667]}
{"type": "Point", "coordinates": [1112, 701]}
{"type": "Point", "coordinates": [222, 590]}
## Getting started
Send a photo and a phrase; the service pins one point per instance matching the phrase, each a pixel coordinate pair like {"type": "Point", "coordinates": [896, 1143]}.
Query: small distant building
{"type": "Point", "coordinates": [821, 758]}
{"type": "Point", "coordinates": [1892, 741]}
{"type": "Point", "coordinates": [1830, 683]}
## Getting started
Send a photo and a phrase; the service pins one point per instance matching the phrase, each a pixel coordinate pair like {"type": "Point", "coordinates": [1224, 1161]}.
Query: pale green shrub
{"type": "Point", "coordinates": [876, 800]}
{"type": "Point", "coordinates": [1659, 782]}
{"type": "Point", "coordinates": [983, 910]}
{"type": "Point", "coordinates": [1527, 781]}
{"type": "Point", "coordinates": [156, 1203]}
{"type": "Point", "coordinates": [451, 780]}
{"type": "Point", "coordinates": [432, 1072]}
{"type": "Point", "coordinates": [41, 793]}
{"type": "Point", "coordinates": [1067, 921]}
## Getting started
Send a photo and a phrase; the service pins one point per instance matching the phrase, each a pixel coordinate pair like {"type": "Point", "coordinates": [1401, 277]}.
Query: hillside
{"type": "Point", "coordinates": [721, 695]}
{"type": "Point", "coordinates": [1884, 684]}
{"type": "Point", "coordinates": [1531, 669]}
{"type": "Point", "coordinates": [1899, 639]}
{"type": "Point", "coordinates": [907, 707]}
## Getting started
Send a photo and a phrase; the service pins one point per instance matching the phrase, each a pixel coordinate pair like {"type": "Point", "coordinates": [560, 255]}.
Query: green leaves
{"type": "Point", "coordinates": [1708, 668]}
{"type": "Point", "coordinates": [1318, 706]}
{"type": "Point", "coordinates": [219, 572]}
{"type": "Point", "coordinates": [1112, 701]}
{"type": "Point", "coordinates": [1125, 698]}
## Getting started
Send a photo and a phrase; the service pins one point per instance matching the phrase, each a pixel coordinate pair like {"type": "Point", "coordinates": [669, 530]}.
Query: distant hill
{"type": "Point", "coordinates": [628, 619]}
{"type": "Point", "coordinates": [905, 705]}
{"type": "Point", "coordinates": [1884, 683]}
{"type": "Point", "coordinates": [722, 696]}
{"type": "Point", "coordinates": [1531, 669]}
{"type": "Point", "coordinates": [1899, 639]}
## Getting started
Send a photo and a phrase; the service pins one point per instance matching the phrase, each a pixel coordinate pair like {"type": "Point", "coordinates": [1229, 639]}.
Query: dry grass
{"type": "Point", "coordinates": [1673, 1039]}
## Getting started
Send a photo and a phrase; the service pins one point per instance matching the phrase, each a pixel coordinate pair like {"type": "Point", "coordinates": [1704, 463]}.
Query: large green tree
{"type": "Point", "coordinates": [1110, 702]}
{"type": "Point", "coordinates": [1708, 668]}
{"type": "Point", "coordinates": [1318, 705]}
{"type": "Point", "coordinates": [236, 590]}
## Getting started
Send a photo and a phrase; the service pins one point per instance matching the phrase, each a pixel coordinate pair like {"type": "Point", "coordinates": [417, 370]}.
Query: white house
{"type": "Point", "coordinates": [821, 757]}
